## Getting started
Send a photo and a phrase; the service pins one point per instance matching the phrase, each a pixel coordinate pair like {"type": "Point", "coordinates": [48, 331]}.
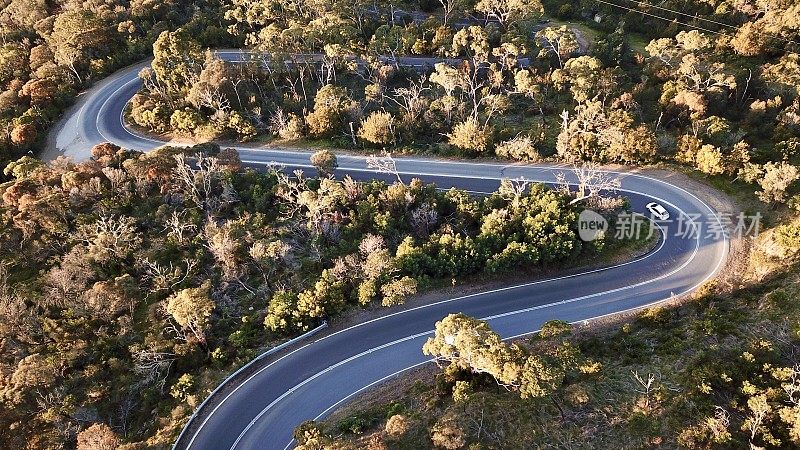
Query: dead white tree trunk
{"type": "Point", "coordinates": [591, 181]}
{"type": "Point", "coordinates": [384, 164]}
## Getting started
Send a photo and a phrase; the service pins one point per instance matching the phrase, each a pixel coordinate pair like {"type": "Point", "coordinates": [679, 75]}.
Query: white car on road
{"type": "Point", "coordinates": [658, 211]}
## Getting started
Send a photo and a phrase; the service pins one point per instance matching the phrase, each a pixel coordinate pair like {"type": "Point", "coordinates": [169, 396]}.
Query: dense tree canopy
{"type": "Point", "coordinates": [52, 50]}
{"type": "Point", "coordinates": [149, 269]}
{"type": "Point", "coordinates": [174, 261]}
{"type": "Point", "coordinates": [598, 101]}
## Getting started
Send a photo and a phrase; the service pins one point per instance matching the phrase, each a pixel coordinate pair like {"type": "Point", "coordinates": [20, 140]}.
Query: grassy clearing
{"type": "Point", "coordinates": [637, 43]}
{"type": "Point", "coordinates": [587, 31]}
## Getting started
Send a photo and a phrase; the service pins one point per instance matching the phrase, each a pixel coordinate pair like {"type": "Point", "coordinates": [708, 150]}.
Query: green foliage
{"type": "Point", "coordinates": [521, 148]}
{"type": "Point", "coordinates": [377, 128]}
{"type": "Point", "coordinates": [586, 78]}
{"type": "Point", "coordinates": [77, 36]}
{"type": "Point", "coordinates": [560, 42]}
{"type": "Point", "coordinates": [470, 136]}
{"type": "Point", "coordinates": [367, 291]}
{"type": "Point", "coordinates": [511, 12]}
{"type": "Point", "coordinates": [396, 291]}
{"type": "Point", "coordinates": [133, 240]}
{"type": "Point", "coordinates": [783, 76]}
{"type": "Point", "coordinates": [241, 126]}
{"type": "Point", "coordinates": [185, 120]}
{"type": "Point", "coordinates": [620, 90]}
{"type": "Point", "coordinates": [324, 161]}
{"type": "Point", "coordinates": [282, 306]}
{"type": "Point", "coordinates": [165, 264]}
{"type": "Point", "coordinates": [183, 387]}
{"type": "Point", "coordinates": [778, 179]}
{"type": "Point", "coordinates": [469, 344]}
{"type": "Point", "coordinates": [331, 104]}
{"type": "Point", "coordinates": [555, 328]}
{"type": "Point", "coordinates": [307, 434]}
{"type": "Point", "coordinates": [191, 309]}
{"type": "Point", "coordinates": [177, 59]}
{"type": "Point", "coordinates": [22, 168]}
{"type": "Point", "coordinates": [150, 113]}
{"type": "Point", "coordinates": [691, 376]}
{"type": "Point", "coordinates": [601, 134]}
{"type": "Point", "coordinates": [50, 52]}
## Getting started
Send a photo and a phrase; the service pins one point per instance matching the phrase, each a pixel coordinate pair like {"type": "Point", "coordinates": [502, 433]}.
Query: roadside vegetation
{"type": "Point", "coordinates": [721, 101]}
{"type": "Point", "coordinates": [717, 371]}
{"type": "Point", "coordinates": [50, 51]}
{"type": "Point", "coordinates": [130, 284]}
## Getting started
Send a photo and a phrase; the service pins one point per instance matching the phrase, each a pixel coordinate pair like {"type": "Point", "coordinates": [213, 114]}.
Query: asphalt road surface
{"type": "Point", "coordinates": [311, 380]}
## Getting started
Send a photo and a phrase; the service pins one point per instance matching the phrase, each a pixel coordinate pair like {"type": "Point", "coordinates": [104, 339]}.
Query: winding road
{"type": "Point", "coordinates": [309, 380]}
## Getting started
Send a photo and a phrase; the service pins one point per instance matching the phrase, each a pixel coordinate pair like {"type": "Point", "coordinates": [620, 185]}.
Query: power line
{"type": "Point", "coordinates": [663, 18]}
{"type": "Point", "coordinates": [644, 13]}
{"type": "Point", "coordinates": [696, 17]}
{"type": "Point", "coordinates": [693, 16]}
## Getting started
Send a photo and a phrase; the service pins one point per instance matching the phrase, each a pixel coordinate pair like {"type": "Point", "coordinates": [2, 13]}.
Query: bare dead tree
{"type": "Point", "coordinates": [50, 399]}
{"type": "Point", "coordinates": [327, 69]}
{"type": "Point", "coordinates": [117, 178]}
{"type": "Point", "coordinates": [423, 218]}
{"type": "Point", "coordinates": [371, 243]}
{"type": "Point", "coordinates": [110, 235]}
{"type": "Point", "coordinates": [16, 320]}
{"type": "Point", "coordinates": [235, 84]}
{"type": "Point", "coordinates": [177, 226]}
{"type": "Point", "coordinates": [152, 366]}
{"type": "Point", "coordinates": [278, 121]}
{"type": "Point", "coordinates": [198, 182]}
{"type": "Point", "coordinates": [154, 86]}
{"type": "Point", "coordinates": [167, 277]}
{"type": "Point", "coordinates": [179, 333]}
{"type": "Point", "coordinates": [472, 85]}
{"type": "Point", "coordinates": [351, 188]}
{"type": "Point", "coordinates": [346, 267]}
{"type": "Point", "coordinates": [720, 422]}
{"type": "Point", "coordinates": [448, 7]}
{"type": "Point", "coordinates": [514, 188]}
{"type": "Point", "coordinates": [384, 164]}
{"type": "Point", "coordinates": [71, 58]}
{"type": "Point", "coordinates": [410, 99]}
{"type": "Point", "coordinates": [591, 182]}
{"type": "Point", "coordinates": [213, 98]}
{"type": "Point", "coordinates": [646, 386]}
{"type": "Point", "coordinates": [290, 190]}
{"type": "Point", "coordinates": [759, 409]}
{"type": "Point", "coordinates": [271, 257]}
{"type": "Point", "coordinates": [792, 386]}
{"type": "Point", "coordinates": [126, 407]}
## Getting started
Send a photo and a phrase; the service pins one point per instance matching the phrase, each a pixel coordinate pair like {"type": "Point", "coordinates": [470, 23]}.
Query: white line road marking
{"type": "Point", "coordinates": [457, 299]}
{"type": "Point", "coordinates": [429, 305]}
{"type": "Point", "coordinates": [319, 374]}
{"type": "Point", "coordinates": [509, 338]}
{"type": "Point", "coordinates": [103, 106]}
{"type": "Point", "coordinates": [501, 168]}
{"type": "Point", "coordinates": [398, 341]}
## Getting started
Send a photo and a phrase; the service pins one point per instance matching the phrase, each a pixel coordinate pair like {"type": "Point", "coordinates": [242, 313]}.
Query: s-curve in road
{"type": "Point", "coordinates": [309, 380]}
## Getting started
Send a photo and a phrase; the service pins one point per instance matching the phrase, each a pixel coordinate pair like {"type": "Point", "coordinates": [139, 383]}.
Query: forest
{"type": "Point", "coordinates": [131, 280]}
{"type": "Point", "coordinates": [131, 283]}
{"type": "Point", "coordinates": [50, 51]}
{"type": "Point", "coordinates": [517, 87]}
